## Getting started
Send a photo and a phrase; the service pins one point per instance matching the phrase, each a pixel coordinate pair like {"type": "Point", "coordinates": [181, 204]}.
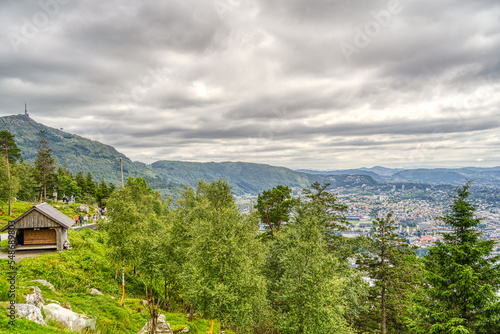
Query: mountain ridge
{"type": "Point", "coordinates": [81, 154]}
{"type": "Point", "coordinates": [78, 153]}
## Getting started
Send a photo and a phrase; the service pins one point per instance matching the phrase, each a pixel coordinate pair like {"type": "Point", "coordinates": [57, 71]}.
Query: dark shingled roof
{"type": "Point", "coordinates": [47, 210]}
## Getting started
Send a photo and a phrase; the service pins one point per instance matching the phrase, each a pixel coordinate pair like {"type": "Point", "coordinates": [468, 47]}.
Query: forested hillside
{"type": "Point", "coordinates": [76, 153]}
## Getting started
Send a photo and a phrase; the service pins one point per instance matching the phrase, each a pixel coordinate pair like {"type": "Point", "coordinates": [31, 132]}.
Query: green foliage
{"type": "Point", "coordinates": [395, 272]}
{"type": "Point", "coordinates": [66, 183]}
{"type": "Point", "coordinates": [28, 191]}
{"type": "Point", "coordinates": [45, 165]}
{"type": "Point", "coordinates": [9, 148]}
{"type": "Point", "coordinates": [274, 207]}
{"type": "Point", "coordinates": [323, 204]}
{"type": "Point", "coordinates": [78, 270]}
{"type": "Point", "coordinates": [103, 192]}
{"type": "Point", "coordinates": [9, 180]}
{"type": "Point", "coordinates": [304, 289]}
{"type": "Point", "coordinates": [18, 208]}
{"type": "Point", "coordinates": [221, 275]}
{"type": "Point", "coordinates": [462, 277]}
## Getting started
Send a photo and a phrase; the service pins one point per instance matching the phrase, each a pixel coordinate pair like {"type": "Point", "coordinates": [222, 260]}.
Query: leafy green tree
{"type": "Point", "coordinates": [221, 276]}
{"type": "Point", "coordinates": [152, 258]}
{"type": "Point", "coordinates": [274, 207]}
{"type": "Point", "coordinates": [45, 165]}
{"type": "Point", "coordinates": [129, 209]}
{"type": "Point", "coordinates": [170, 260]}
{"type": "Point", "coordinates": [11, 153]}
{"type": "Point", "coordinates": [395, 272]}
{"type": "Point", "coordinates": [27, 184]}
{"type": "Point", "coordinates": [463, 278]}
{"type": "Point", "coordinates": [304, 288]}
{"type": "Point", "coordinates": [324, 206]}
{"type": "Point", "coordinates": [66, 183]}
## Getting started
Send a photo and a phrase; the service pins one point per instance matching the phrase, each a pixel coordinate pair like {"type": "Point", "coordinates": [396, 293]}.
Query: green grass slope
{"type": "Point", "coordinates": [73, 273]}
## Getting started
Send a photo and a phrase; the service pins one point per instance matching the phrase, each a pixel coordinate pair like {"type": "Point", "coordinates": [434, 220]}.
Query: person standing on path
{"type": "Point", "coordinates": [80, 218]}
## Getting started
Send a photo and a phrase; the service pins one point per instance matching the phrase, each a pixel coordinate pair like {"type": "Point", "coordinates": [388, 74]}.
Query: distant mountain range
{"type": "Point", "coordinates": [433, 176]}
{"type": "Point", "coordinates": [81, 154]}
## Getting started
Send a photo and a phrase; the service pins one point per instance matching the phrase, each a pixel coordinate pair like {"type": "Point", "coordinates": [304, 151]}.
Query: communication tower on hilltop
{"type": "Point", "coordinates": [26, 110]}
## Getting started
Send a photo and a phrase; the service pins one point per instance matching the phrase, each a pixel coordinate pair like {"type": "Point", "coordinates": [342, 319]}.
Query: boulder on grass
{"type": "Point", "coordinates": [95, 292]}
{"type": "Point", "coordinates": [36, 298]}
{"type": "Point", "coordinates": [30, 312]}
{"type": "Point", "coordinates": [162, 327]}
{"type": "Point", "coordinates": [44, 282]}
{"type": "Point", "coordinates": [67, 318]}
{"type": "Point", "coordinates": [83, 208]}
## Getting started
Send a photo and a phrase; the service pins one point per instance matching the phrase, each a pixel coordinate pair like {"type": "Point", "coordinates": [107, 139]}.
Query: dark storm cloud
{"type": "Point", "coordinates": [312, 84]}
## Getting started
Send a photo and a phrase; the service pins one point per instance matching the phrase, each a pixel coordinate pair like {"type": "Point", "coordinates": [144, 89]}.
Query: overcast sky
{"type": "Point", "coordinates": [320, 84]}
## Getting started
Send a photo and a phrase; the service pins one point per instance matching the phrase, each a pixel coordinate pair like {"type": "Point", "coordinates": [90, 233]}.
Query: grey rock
{"type": "Point", "coordinates": [36, 298]}
{"type": "Point", "coordinates": [82, 208]}
{"type": "Point", "coordinates": [44, 282]}
{"type": "Point", "coordinates": [95, 292]}
{"type": "Point", "coordinates": [52, 301]}
{"type": "Point", "coordinates": [67, 318]}
{"type": "Point", "coordinates": [184, 330]}
{"type": "Point", "coordinates": [162, 327]}
{"type": "Point", "coordinates": [30, 312]}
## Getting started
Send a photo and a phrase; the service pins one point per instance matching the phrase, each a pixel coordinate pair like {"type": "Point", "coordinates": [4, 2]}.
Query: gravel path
{"type": "Point", "coordinates": [25, 254]}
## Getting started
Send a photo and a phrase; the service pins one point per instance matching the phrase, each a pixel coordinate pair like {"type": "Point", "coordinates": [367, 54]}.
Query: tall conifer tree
{"type": "Point", "coordinates": [45, 164]}
{"type": "Point", "coordinates": [463, 278]}
{"type": "Point", "coordinates": [395, 272]}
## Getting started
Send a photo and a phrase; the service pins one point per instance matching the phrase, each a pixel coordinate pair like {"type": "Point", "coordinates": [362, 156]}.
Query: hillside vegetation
{"type": "Point", "coordinates": [73, 273]}
{"type": "Point", "coordinates": [78, 154]}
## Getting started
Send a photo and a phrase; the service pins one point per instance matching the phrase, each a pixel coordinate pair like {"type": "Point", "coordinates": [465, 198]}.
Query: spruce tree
{"type": "Point", "coordinates": [45, 164]}
{"type": "Point", "coordinates": [395, 272]}
{"type": "Point", "coordinates": [462, 276]}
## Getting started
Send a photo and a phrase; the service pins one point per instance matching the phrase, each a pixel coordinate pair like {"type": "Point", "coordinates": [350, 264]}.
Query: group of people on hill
{"type": "Point", "coordinates": [90, 218]}
{"type": "Point", "coordinates": [84, 220]}
{"type": "Point", "coordinates": [67, 200]}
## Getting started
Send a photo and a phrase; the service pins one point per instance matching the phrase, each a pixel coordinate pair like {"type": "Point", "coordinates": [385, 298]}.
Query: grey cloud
{"type": "Point", "coordinates": [262, 81]}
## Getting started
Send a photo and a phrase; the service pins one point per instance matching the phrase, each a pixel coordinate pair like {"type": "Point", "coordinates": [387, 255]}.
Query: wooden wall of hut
{"type": "Point", "coordinates": [35, 220]}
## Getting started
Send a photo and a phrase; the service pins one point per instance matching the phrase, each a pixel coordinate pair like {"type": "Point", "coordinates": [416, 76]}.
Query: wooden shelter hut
{"type": "Point", "coordinates": [41, 227]}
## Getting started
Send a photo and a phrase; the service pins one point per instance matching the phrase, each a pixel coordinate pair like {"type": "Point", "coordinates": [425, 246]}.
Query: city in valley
{"type": "Point", "coordinates": [416, 210]}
